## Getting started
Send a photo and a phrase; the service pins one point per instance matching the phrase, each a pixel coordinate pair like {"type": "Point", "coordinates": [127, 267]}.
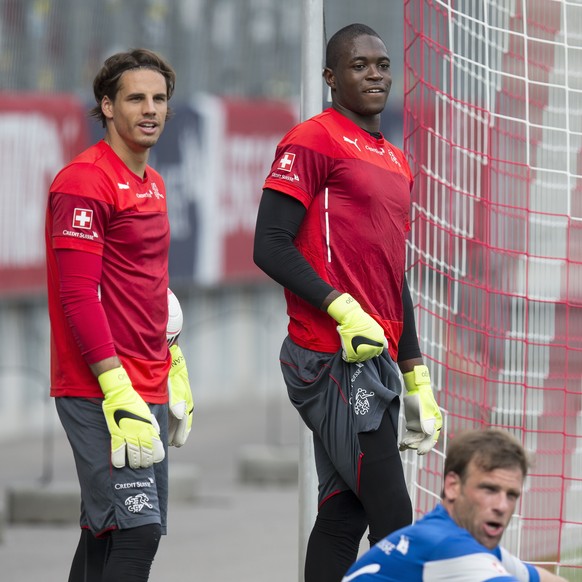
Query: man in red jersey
{"type": "Point", "coordinates": [107, 241]}
{"type": "Point", "coordinates": [331, 228]}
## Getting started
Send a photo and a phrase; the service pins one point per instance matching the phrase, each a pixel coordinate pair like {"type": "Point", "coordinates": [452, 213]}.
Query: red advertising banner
{"type": "Point", "coordinates": [39, 134]}
{"type": "Point", "coordinates": [242, 139]}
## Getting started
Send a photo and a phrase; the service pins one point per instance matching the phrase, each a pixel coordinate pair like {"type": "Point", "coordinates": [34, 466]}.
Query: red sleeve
{"type": "Point", "coordinates": [303, 161]}
{"type": "Point", "coordinates": [79, 276]}
{"type": "Point", "coordinates": [78, 222]}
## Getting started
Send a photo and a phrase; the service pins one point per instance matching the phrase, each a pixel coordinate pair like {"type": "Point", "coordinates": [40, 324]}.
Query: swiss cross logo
{"type": "Point", "coordinates": [286, 162]}
{"type": "Point", "coordinates": [82, 218]}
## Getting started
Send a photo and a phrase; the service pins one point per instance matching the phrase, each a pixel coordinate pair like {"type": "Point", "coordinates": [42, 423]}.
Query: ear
{"type": "Point", "coordinates": [452, 486]}
{"type": "Point", "coordinates": [329, 77]}
{"type": "Point", "coordinates": [107, 107]}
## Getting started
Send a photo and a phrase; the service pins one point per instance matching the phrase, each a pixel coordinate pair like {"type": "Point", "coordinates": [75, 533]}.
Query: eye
{"type": "Point", "coordinates": [490, 488]}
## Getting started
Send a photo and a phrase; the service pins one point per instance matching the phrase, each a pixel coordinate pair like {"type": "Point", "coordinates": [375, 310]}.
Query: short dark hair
{"type": "Point", "coordinates": [489, 449]}
{"type": "Point", "coordinates": [107, 80]}
{"type": "Point", "coordinates": [336, 44]}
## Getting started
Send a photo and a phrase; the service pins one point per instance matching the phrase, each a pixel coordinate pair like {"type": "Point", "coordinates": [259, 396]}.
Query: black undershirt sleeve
{"type": "Point", "coordinates": [278, 222]}
{"type": "Point", "coordinates": [408, 347]}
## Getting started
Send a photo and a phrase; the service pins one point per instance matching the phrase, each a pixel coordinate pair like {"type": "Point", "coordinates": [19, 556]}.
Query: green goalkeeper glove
{"type": "Point", "coordinates": [133, 427]}
{"type": "Point", "coordinates": [361, 335]}
{"type": "Point", "coordinates": [181, 402]}
{"type": "Point", "coordinates": [423, 416]}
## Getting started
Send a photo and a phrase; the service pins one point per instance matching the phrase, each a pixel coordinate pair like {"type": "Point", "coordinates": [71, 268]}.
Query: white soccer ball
{"type": "Point", "coordinates": [175, 318]}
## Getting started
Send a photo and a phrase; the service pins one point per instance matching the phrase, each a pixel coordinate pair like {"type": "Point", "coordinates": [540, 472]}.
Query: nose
{"type": "Point", "coordinates": [504, 504]}
{"type": "Point", "coordinates": [149, 105]}
{"type": "Point", "coordinates": [375, 73]}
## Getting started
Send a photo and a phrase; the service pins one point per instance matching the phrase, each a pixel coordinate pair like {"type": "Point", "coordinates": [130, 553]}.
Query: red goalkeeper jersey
{"type": "Point", "coordinates": [97, 205]}
{"type": "Point", "coordinates": [356, 189]}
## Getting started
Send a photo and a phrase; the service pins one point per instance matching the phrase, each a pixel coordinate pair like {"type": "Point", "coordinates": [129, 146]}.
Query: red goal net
{"type": "Point", "coordinates": [493, 130]}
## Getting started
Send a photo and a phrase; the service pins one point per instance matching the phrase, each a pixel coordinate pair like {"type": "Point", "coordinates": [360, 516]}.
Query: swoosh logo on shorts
{"type": "Point", "coordinates": [359, 340]}
{"type": "Point", "coordinates": [120, 414]}
{"type": "Point", "coordinates": [369, 569]}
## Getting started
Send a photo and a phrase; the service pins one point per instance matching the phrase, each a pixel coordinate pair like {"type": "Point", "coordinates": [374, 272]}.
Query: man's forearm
{"type": "Point", "coordinates": [408, 365]}
{"type": "Point", "coordinates": [104, 365]}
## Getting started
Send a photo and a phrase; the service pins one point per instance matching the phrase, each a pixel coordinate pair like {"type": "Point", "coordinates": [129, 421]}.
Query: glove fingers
{"type": "Point", "coordinates": [117, 452]}
{"type": "Point", "coordinates": [151, 448]}
{"type": "Point", "coordinates": [138, 456]}
{"type": "Point", "coordinates": [411, 439]}
{"type": "Point", "coordinates": [418, 419]}
{"type": "Point", "coordinates": [173, 424]}
{"type": "Point", "coordinates": [427, 443]}
{"type": "Point", "coordinates": [180, 429]}
{"type": "Point", "coordinates": [144, 455]}
{"type": "Point", "coordinates": [141, 452]}
{"type": "Point", "coordinates": [187, 425]}
{"type": "Point", "coordinates": [428, 425]}
{"type": "Point", "coordinates": [178, 409]}
{"type": "Point", "coordinates": [181, 433]}
{"type": "Point", "coordinates": [155, 424]}
{"type": "Point", "coordinates": [418, 441]}
{"type": "Point", "coordinates": [181, 403]}
{"type": "Point", "coordinates": [158, 453]}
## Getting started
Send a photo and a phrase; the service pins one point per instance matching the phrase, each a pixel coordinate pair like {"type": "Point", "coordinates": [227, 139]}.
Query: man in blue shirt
{"type": "Point", "coordinates": [459, 540]}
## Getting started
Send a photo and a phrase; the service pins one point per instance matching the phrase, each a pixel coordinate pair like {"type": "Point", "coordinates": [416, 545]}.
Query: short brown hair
{"type": "Point", "coordinates": [107, 80]}
{"type": "Point", "coordinates": [490, 449]}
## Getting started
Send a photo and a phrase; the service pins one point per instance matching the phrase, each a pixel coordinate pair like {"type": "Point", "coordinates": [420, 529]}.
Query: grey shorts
{"type": "Point", "coordinates": [113, 498]}
{"type": "Point", "coordinates": [337, 400]}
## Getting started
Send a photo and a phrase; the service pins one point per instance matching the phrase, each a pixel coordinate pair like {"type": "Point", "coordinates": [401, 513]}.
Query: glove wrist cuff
{"type": "Point", "coordinates": [178, 360]}
{"type": "Point", "coordinates": [176, 351]}
{"type": "Point", "coordinates": [418, 376]}
{"type": "Point", "coordinates": [113, 379]}
{"type": "Point", "coordinates": [341, 306]}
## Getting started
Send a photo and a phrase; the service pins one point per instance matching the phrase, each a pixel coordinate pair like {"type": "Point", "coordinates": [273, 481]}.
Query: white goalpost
{"type": "Point", "coordinates": [311, 104]}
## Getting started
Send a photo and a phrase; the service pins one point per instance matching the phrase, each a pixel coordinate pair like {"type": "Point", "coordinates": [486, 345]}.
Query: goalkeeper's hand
{"type": "Point", "coordinates": [134, 429]}
{"type": "Point", "coordinates": [361, 335]}
{"type": "Point", "coordinates": [181, 402]}
{"type": "Point", "coordinates": [423, 416]}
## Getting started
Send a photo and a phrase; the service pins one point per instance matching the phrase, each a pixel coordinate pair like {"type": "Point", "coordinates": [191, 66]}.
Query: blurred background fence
{"type": "Point", "coordinates": [243, 48]}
